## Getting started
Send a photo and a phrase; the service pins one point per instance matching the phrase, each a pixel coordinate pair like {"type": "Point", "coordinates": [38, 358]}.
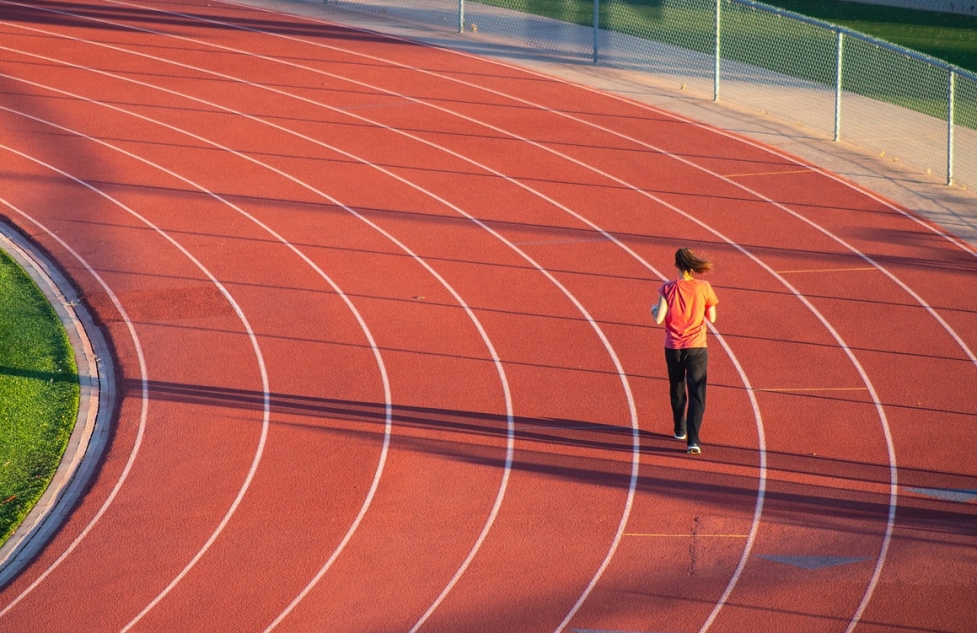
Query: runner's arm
{"type": "Point", "coordinates": [660, 310]}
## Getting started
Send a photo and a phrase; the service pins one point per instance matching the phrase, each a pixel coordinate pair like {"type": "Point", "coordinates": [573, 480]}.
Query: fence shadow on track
{"type": "Point", "coordinates": [552, 448]}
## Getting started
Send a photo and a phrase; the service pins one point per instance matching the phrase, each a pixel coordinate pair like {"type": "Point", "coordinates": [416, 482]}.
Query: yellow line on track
{"type": "Point", "coordinates": [824, 270]}
{"type": "Point", "coordinates": [789, 389]}
{"type": "Point", "coordinates": [769, 173]}
{"type": "Point", "coordinates": [695, 535]}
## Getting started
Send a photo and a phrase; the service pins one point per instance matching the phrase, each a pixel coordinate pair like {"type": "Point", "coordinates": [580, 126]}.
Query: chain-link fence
{"type": "Point", "coordinates": [965, 130]}
{"type": "Point", "coordinates": [830, 81]}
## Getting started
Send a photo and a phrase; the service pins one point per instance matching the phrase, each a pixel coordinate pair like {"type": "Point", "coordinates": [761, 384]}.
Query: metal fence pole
{"type": "Point", "coordinates": [715, 82]}
{"type": "Point", "coordinates": [838, 86]}
{"type": "Point", "coordinates": [596, 26]}
{"type": "Point", "coordinates": [950, 98]}
{"type": "Point", "coordinates": [461, 16]}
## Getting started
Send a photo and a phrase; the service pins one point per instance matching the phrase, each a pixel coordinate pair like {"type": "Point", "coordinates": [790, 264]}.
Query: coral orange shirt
{"type": "Point", "coordinates": [685, 322]}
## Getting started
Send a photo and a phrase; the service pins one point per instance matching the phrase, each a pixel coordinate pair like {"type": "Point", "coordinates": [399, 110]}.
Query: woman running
{"type": "Point", "coordinates": [683, 305]}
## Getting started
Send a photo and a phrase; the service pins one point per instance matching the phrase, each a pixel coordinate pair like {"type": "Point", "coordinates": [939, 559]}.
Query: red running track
{"type": "Point", "coordinates": [380, 312]}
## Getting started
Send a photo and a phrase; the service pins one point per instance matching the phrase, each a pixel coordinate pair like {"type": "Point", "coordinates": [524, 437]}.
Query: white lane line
{"type": "Point", "coordinates": [388, 409]}
{"type": "Point", "coordinates": [266, 401]}
{"type": "Point", "coordinates": [893, 495]}
{"type": "Point", "coordinates": [890, 444]}
{"type": "Point", "coordinates": [943, 323]}
{"type": "Point", "coordinates": [143, 410]}
{"type": "Point", "coordinates": [932, 227]}
{"type": "Point", "coordinates": [953, 334]}
{"type": "Point", "coordinates": [606, 562]}
{"type": "Point", "coordinates": [619, 368]}
{"type": "Point", "coordinates": [860, 369]}
{"type": "Point", "coordinates": [946, 326]}
{"type": "Point", "coordinates": [758, 509]}
{"type": "Point", "coordinates": [686, 161]}
{"type": "Point", "coordinates": [496, 360]}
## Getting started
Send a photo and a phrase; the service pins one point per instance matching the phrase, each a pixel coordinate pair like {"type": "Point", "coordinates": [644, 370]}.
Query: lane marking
{"type": "Point", "coordinates": [266, 397]}
{"type": "Point", "coordinates": [886, 430]}
{"type": "Point", "coordinates": [143, 408]}
{"type": "Point", "coordinates": [690, 535]}
{"type": "Point", "coordinates": [813, 563]}
{"type": "Point", "coordinates": [604, 631]}
{"type": "Point", "coordinates": [375, 485]}
{"type": "Point", "coordinates": [804, 389]}
{"type": "Point", "coordinates": [770, 173]}
{"type": "Point", "coordinates": [388, 423]}
{"type": "Point", "coordinates": [606, 562]}
{"type": "Point", "coordinates": [548, 242]}
{"type": "Point", "coordinates": [825, 270]}
{"type": "Point", "coordinates": [959, 495]}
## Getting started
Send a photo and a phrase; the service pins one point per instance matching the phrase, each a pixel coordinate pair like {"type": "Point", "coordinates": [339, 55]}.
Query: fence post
{"type": "Point", "coordinates": [715, 82]}
{"type": "Point", "coordinates": [596, 26]}
{"type": "Point", "coordinates": [838, 85]}
{"type": "Point", "coordinates": [950, 97]}
{"type": "Point", "coordinates": [461, 16]}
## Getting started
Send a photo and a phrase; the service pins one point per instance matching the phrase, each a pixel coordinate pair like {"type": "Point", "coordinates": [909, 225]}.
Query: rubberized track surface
{"type": "Point", "coordinates": [381, 316]}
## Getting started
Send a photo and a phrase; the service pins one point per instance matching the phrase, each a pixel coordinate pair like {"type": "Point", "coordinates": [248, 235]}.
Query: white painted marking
{"type": "Point", "coordinates": [953, 334]}
{"type": "Point", "coordinates": [223, 290]}
{"type": "Point", "coordinates": [886, 430]}
{"type": "Point", "coordinates": [143, 409]}
{"type": "Point", "coordinates": [266, 398]}
{"type": "Point", "coordinates": [617, 539]}
{"type": "Point", "coordinates": [362, 323]}
{"type": "Point", "coordinates": [497, 361]}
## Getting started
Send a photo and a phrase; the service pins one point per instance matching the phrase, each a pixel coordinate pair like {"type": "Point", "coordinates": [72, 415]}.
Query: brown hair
{"type": "Point", "coordinates": [687, 261]}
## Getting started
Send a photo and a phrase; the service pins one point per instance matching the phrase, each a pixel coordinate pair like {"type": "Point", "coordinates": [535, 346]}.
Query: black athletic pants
{"type": "Point", "coordinates": [687, 386]}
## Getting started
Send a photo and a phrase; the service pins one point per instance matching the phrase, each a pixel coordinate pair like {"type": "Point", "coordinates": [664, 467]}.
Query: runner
{"type": "Point", "coordinates": [683, 305]}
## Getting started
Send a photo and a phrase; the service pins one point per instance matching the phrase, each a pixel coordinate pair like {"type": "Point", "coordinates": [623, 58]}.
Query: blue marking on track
{"type": "Point", "coordinates": [815, 562]}
{"type": "Point", "coordinates": [947, 494]}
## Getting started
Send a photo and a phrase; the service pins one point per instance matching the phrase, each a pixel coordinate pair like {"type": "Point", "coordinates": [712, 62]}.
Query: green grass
{"type": "Point", "coordinates": [952, 38]}
{"type": "Point", "coordinates": [39, 394]}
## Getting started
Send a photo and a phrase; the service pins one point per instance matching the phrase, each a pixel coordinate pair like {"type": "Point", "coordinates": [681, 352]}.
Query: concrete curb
{"type": "Point", "coordinates": [96, 407]}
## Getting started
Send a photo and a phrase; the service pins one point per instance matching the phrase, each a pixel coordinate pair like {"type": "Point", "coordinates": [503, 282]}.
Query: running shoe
{"type": "Point", "coordinates": [680, 437]}
{"type": "Point", "coordinates": [694, 450]}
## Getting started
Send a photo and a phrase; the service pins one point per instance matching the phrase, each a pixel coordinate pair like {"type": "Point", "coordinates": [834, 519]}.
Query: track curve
{"type": "Point", "coordinates": [497, 236]}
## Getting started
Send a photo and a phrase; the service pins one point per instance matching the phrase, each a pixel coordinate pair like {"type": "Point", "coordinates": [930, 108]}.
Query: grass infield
{"type": "Point", "coordinates": [946, 36]}
{"type": "Point", "coordinates": [39, 393]}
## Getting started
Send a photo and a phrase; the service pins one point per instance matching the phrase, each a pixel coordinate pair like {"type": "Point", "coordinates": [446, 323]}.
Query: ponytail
{"type": "Point", "coordinates": [687, 261]}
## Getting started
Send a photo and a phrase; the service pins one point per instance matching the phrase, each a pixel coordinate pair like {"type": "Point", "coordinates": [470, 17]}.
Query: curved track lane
{"type": "Point", "coordinates": [495, 235]}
